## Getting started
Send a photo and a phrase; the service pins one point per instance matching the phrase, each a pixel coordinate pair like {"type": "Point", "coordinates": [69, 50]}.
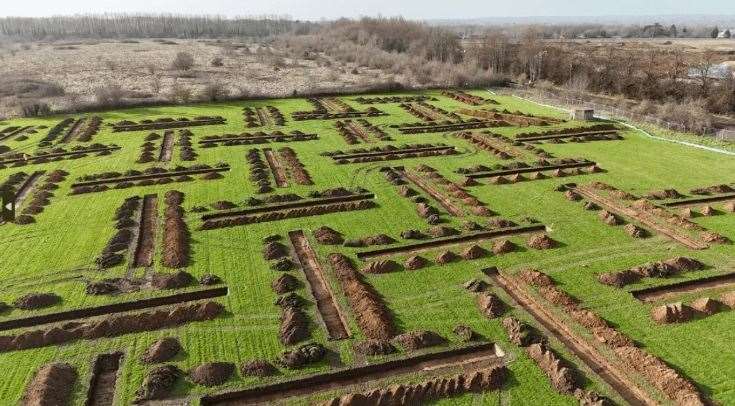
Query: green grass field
{"type": "Point", "coordinates": [56, 253]}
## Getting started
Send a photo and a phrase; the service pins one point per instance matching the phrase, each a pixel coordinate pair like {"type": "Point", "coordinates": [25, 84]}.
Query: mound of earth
{"type": "Point", "coordinates": [412, 235]}
{"type": "Point", "coordinates": [665, 194]}
{"type": "Point", "coordinates": [284, 284]}
{"type": "Point", "coordinates": [104, 287]}
{"type": "Point", "coordinates": [535, 278]}
{"type": "Point", "coordinates": [635, 231]}
{"type": "Point", "coordinates": [729, 207]}
{"type": "Point", "coordinates": [289, 300]}
{"type": "Point", "coordinates": [415, 340]}
{"type": "Point", "coordinates": [212, 373]}
{"type": "Point", "coordinates": [490, 305]}
{"type": "Point", "coordinates": [473, 252]}
{"type": "Point", "coordinates": [274, 250]}
{"type": "Point", "coordinates": [562, 378]}
{"type": "Point", "coordinates": [176, 280]}
{"type": "Point", "coordinates": [684, 264]}
{"type": "Point", "coordinates": [500, 223]}
{"type": "Point", "coordinates": [672, 313]}
{"type": "Point", "coordinates": [380, 239]}
{"type": "Point", "coordinates": [210, 279]}
{"type": "Point", "coordinates": [476, 285]}
{"type": "Point", "coordinates": [283, 265]}
{"type": "Point", "coordinates": [610, 219]}
{"type": "Point", "coordinates": [161, 350]}
{"type": "Point", "coordinates": [294, 326]}
{"type": "Point", "coordinates": [52, 385]}
{"type": "Point", "coordinates": [591, 206]}
{"type": "Point", "coordinates": [619, 279]}
{"type": "Point", "coordinates": [378, 267]}
{"type": "Point", "coordinates": [374, 347]}
{"type": "Point", "coordinates": [465, 333]}
{"type": "Point", "coordinates": [519, 333]}
{"type": "Point", "coordinates": [259, 368]}
{"type": "Point", "coordinates": [305, 354]}
{"type": "Point", "coordinates": [712, 189]}
{"type": "Point", "coordinates": [223, 205]}
{"type": "Point", "coordinates": [572, 196]}
{"type": "Point", "coordinates": [328, 236]}
{"type": "Point", "coordinates": [442, 231]}
{"type": "Point", "coordinates": [415, 262]}
{"type": "Point", "coordinates": [503, 247]}
{"type": "Point", "coordinates": [686, 213]}
{"type": "Point", "coordinates": [446, 257]}
{"type": "Point", "coordinates": [541, 242]}
{"type": "Point", "coordinates": [706, 305]}
{"type": "Point", "coordinates": [33, 301]}
{"type": "Point", "coordinates": [708, 211]}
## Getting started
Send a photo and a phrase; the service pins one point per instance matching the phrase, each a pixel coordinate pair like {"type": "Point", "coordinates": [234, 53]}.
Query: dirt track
{"type": "Point", "coordinates": [329, 310]}
{"type": "Point", "coordinates": [610, 372]}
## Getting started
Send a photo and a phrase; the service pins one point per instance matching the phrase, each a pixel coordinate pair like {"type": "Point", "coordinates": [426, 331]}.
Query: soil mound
{"type": "Point", "coordinates": [176, 280]}
{"type": "Point", "coordinates": [519, 333]}
{"type": "Point", "coordinates": [284, 284]}
{"type": "Point", "coordinates": [274, 250]}
{"type": "Point", "coordinates": [210, 279]}
{"type": "Point", "coordinates": [591, 206]}
{"type": "Point", "coordinates": [212, 373]}
{"type": "Point", "coordinates": [683, 264]}
{"type": "Point", "coordinates": [446, 257]}
{"type": "Point", "coordinates": [415, 340]}
{"type": "Point", "coordinates": [665, 194]}
{"type": "Point", "coordinates": [635, 231]}
{"type": "Point", "coordinates": [476, 285]}
{"type": "Point", "coordinates": [672, 313]}
{"type": "Point", "coordinates": [708, 211]}
{"type": "Point", "coordinates": [158, 383]}
{"type": "Point", "coordinates": [306, 354]}
{"type": "Point", "coordinates": [379, 267]}
{"type": "Point", "coordinates": [712, 189]}
{"type": "Point", "coordinates": [442, 231]}
{"type": "Point", "coordinates": [328, 236]}
{"type": "Point", "coordinates": [490, 305]}
{"type": "Point", "coordinates": [610, 218]}
{"type": "Point", "coordinates": [374, 347]}
{"type": "Point", "coordinates": [259, 368]}
{"type": "Point", "coordinates": [33, 301]}
{"type": "Point", "coordinates": [412, 235]}
{"type": "Point", "coordinates": [541, 242]}
{"type": "Point", "coordinates": [729, 207]}
{"type": "Point", "coordinates": [161, 350]}
{"type": "Point", "coordinates": [706, 305]}
{"type": "Point", "coordinates": [415, 262]}
{"type": "Point", "coordinates": [294, 326]}
{"type": "Point", "coordinates": [619, 279]}
{"type": "Point", "coordinates": [562, 378]}
{"type": "Point", "coordinates": [572, 196]}
{"type": "Point", "coordinates": [52, 385]}
{"type": "Point", "coordinates": [473, 252]}
{"type": "Point", "coordinates": [503, 247]}
{"type": "Point", "coordinates": [465, 333]}
{"type": "Point", "coordinates": [380, 239]}
{"type": "Point", "coordinates": [728, 299]}
{"type": "Point", "coordinates": [289, 300]}
{"type": "Point", "coordinates": [535, 278]}
{"type": "Point", "coordinates": [223, 205]}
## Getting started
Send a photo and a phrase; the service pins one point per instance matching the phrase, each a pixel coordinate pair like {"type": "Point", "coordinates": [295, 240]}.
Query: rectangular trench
{"type": "Point", "coordinates": [104, 380]}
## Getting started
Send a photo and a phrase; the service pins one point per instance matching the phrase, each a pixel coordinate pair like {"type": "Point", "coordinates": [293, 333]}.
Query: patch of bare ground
{"type": "Point", "coordinates": [278, 171]}
{"type": "Point", "coordinates": [146, 244]}
{"type": "Point", "coordinates": [52, 385]}
{"type": "Point", "coordinates": [471, 358]}
{"type": "Point", "coordinates": [167, 146]}
{"type": "Point", "coordinates": [329, 311]}
{"type": "Point", "coordinates": [175, 232]}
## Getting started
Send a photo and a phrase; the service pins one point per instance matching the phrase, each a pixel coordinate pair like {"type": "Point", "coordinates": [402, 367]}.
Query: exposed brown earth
{"type": "Point", "coordinates": [51, 386]}
{"type": "Point", "coordinates": [279, 173]}
{"type": "Point", "coordinates": [161, 350]}
{"type": "Point", "coordinates": [158, 383]}
{"type": "Point", "coordinates": [146, 245]}
{"type": "Point", "coordinates": [328, 309]}
{"type": "Point", "coordinates": [661, 292]}
{"type": "Point", "coordinates": [175, 232]}
{"type": "Point", "coordinates": [167, 146]}
{"type": "Point", "coordinates": [212, 373]}
{"type": "Point", "coordinates": [104, 380]}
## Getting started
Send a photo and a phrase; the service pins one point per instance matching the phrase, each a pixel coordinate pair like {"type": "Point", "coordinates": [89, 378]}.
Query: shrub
{"type": "Point", "coordinates": [183, 61]}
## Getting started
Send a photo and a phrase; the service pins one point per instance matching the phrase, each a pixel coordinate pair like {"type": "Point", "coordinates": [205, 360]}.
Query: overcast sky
{"type": "Point", "coordinates": [415, 9]}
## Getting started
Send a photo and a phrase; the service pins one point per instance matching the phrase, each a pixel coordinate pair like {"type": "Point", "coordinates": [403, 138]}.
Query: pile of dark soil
{"type": "Point", "coordinates": [562, 378]}
{"type": "Point", "coordinates": [707, 306]}
{"type": "Point", "coordinates": [415, 262]}
{"type": "Point", "coordinates": [535, 278]}
{"type": "Point", "coordinates": [490, 305]}
{"type": "Point", "coordinates": [442, 231]}
{"type": "Point", "coordinates": [305, 354]}
{"type": "Point", "coordinates": [159, 383]}
{"type": "Point", "coordinates": [283, 265]}
{"type": "Point", "coordinates": [374, 347]}
{"type": "Point", "coordinates": [635, 231]}
{"type": "Point", "coordinates": [473, 252]}
{"type": "Point", "coordinates": [446, 257]}
{"type": "Point", "coordinates": [665, 194]}
{"type": "Point", "coordinates": [212, 373]}
{"type": "Point", "coordinates": [259, 368]}
{"type": "Point", "coordinates": [328, 236]}
{"type": "Point", "coordinates": [379, 239]}
{"type": "Point", "coordinates": [716, 189]}
{"type": "Point", "coordinates": [161, 350]}
{"type": "Point", "coordinates": [285, 283]}
{"type": "Point", "coordinates": [52, 385]}
{"type": "Point", "coordinates": [672, 313]}
{"type": "Point", "coordinates": [520, 333]}
{"type": "Point", "coordinates": [415, 340]}
{"type": "Point", "coordinates": [476, 285]}
{"type": "Point", "coordinates": [223, 205]}
{"type": "Point", "coordinates": [465, 333]}
{"type": "Point", "coordinates": [503, 247]}
{"type": "Point", "coordinates": [294, 325]}
{"type": "Point", "coordinates": [33, 301]}
{"type": "Point", "coordinates": [378, 267]}
{"type": "Point", "coordinates": [176, 280]}
{"type": "Point", "coordinates": [541, 242]}
{"type": "Point", "coordinates": [210, 279]}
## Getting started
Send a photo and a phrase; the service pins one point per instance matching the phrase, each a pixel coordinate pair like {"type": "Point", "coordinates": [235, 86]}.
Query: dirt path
{"type": "Point", "coordinates": [279, 172]}
{"type": "Point", "coordinates": [662, 292]}
{"type": "Point", "coordinates": [146, 245]}
{"type": "Point", "coordinates": [167, 146]}
{"type": "Point", "coordinates": [104, 379]}
{"type": "Point", "coordinates": [610, 372]}
{"type": "Point", "coordinates": [469, 359]}
{"type": "Point", "coordinates": [325, 303]}
{"type": "Point", "coordinates": [435, 194]}
{"type": "Point", "coordinates": [26, 189]}
{"type": "Point", "coordinates": [642, 216]}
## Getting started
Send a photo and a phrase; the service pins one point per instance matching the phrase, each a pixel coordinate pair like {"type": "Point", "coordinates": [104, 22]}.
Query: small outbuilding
{"type": "Point", "coordinates": [583, 114]}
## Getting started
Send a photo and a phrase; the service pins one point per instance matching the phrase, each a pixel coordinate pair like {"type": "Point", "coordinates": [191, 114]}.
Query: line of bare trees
{"type": "Point", "coordinates": [145, 26]}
